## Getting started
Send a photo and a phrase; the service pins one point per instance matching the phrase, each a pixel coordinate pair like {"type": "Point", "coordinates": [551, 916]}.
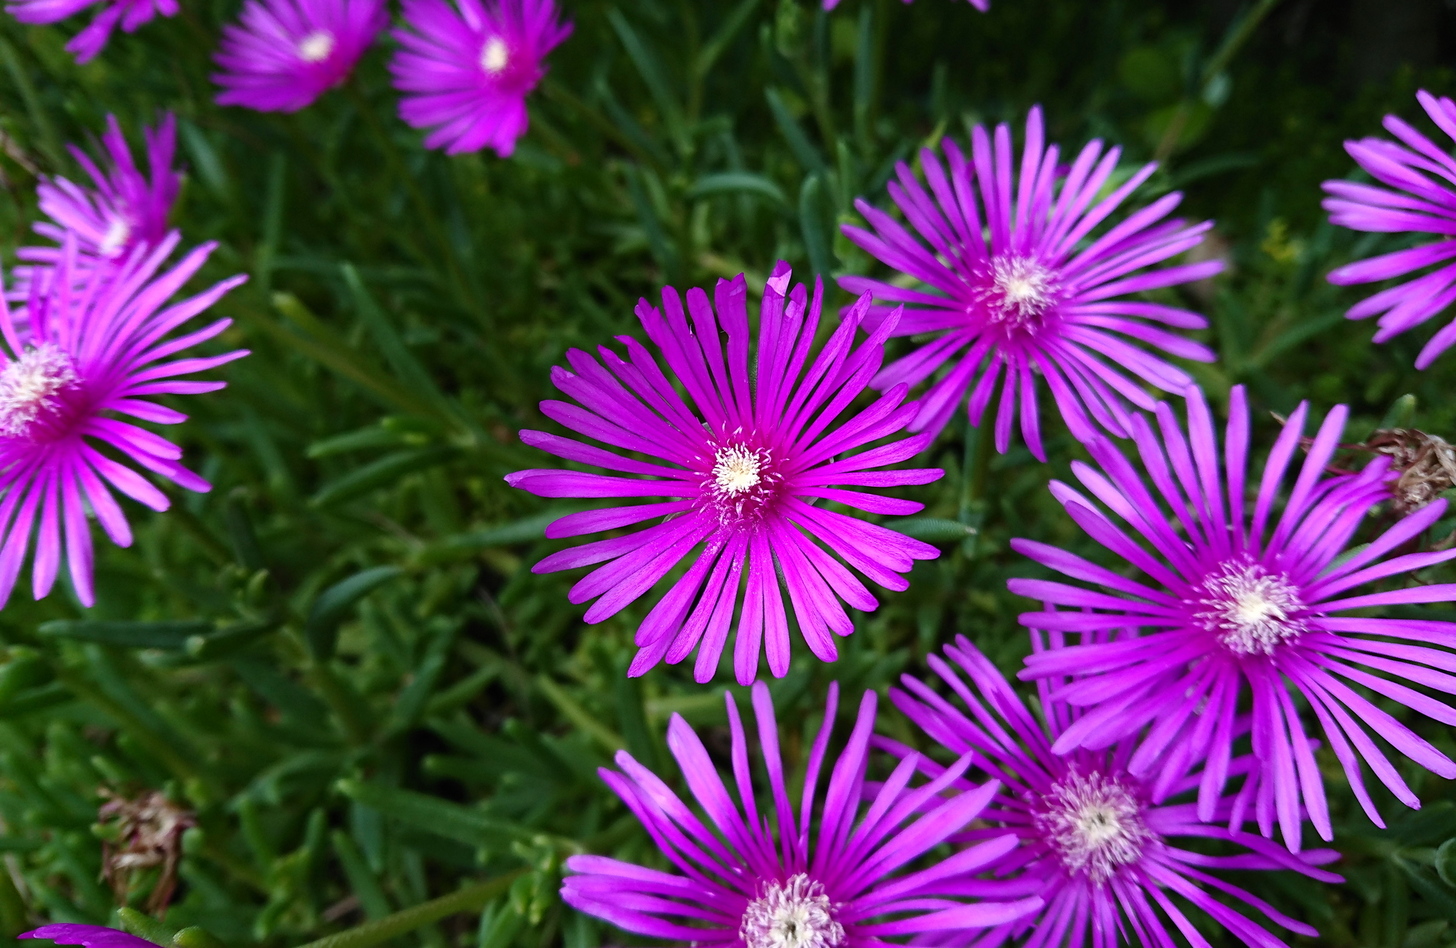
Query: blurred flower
{"type": "Point", "coordinates": [1420, 198]}
{"type": "Point", "coordinates": [145, 833]}
{"type": "Point", "coordinates": [746, 460]}
{"type": "Point", "coordinates": [1041, 296]}
{"type": "Point", "coordinates": [287, 53]}
{"type": "Point", "coordinates": [1094, 845]}
{"type": "Point", "coordinates": [124, 213]}
{"type": "Point", "coordinates": [86, 44]}
{"type": "Point", "coordinates": [1228, 602]}
{"type": "Point", "coordinates": [465, 69]}
{"type": "Point", "coordinates": [814, 884]}
{"type": "Point", "coordinates": [88, 353]}
{"type": "Point", "coordinates": [982, 5]}
{"type": "Point", "coordinates": [91, 936]}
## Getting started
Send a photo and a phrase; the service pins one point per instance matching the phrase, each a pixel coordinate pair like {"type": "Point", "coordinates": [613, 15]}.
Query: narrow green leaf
{"type": "Point", "coordinates": [373, 437]}
{"type": "Point", "coordinates": [737, 182]}
{"type": "Point", "coordinates": [469, 899]}
{"type": "Point", "coordinates": [396, 353]}
{"type": "Point", "coordinates": [361, 878]}
{"type": "Point", "coordinates": [651, 71]}
{"type": "Point", "coordinates": [1446, 862]}
{"type": "Point", "coordinates": [657, 240]}
{"type": "Point", "coordinates": [381, 473]}
{"type": "Point", "coordinates": [167, 635]}
{"type": "Point", "coordinates": [230, 639]}
{"type": "Point", "coordinates": [329, 608]}
{"type": "Point", "coordinates": [432, 814]}
{"type": "Point", "coordinates": [144, 926]}
{"type": "Point", "coordinates": [933, 529]}
{"type": "Point", "coordinates": [1401, 414]}
{"type": "Point", "coordinates": [721, 40]}
{"type": "Point", "coordinates": [804, 150]}
{"type": "Point", "coordinates": [817, 224]}
{"type": "Point", "coordinates": [577, 715]}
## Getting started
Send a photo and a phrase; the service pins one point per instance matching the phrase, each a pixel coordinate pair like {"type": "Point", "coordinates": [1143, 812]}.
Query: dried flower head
{"type": "Point", "coordinates": [142, 833]}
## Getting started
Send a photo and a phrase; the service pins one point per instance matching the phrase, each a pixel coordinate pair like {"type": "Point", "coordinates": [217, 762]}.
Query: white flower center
{"type": "Point", "coordinates": [1251, 610]}
{"type": "Point", "coordinates": [1021, 290]}
{"type": "Point", "coordinates": [792, 914]}
{"type": "Point", "coordinates": [737, 470]}
{"type": "Point", "coordinates": [495, 56]}
{"type": "Point", "coordinates": [118, 232]}
{"type": "Point", "coordinates": [316, 46]}
{"type": "Point", "coordinates": [1094, 823]}
{"type": "Point", "coordinates": [29, 386]}
{"type": "Point", "coordinates": [742, 482]}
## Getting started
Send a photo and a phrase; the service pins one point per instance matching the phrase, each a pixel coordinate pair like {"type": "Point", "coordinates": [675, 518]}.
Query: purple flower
{"type": "Point", "coordinates": [86, 44]}
{"type": "Point", "coordinates": [982, 5]}
{"type": "Point", "coordinates": [90, 936]}
{"type": "Point", "coordinates": [746, 461]}
{"type": "Point", "coordinates": [767, 880]}
{"type": "Point", "coordinates": [1041, 296]}
{"type": "Point", "coordinates": [89, 355]}
{"type": "Point", "coordinates": [1094, 844]}
{"type": "Point", "coordinates": [286, 53]}
{"type": "Point", "coordinates": [465, 69]}
{"type": "Point", "coordinates": [1221, 601]}
{"type": "Point", "coordinates": [125, 211]}
{"type": "Point", "coordinates": [1420, 198]}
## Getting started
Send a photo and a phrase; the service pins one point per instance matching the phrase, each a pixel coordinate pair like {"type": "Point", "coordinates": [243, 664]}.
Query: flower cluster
{"type": "Point", "coordinates": [93, 343]}
{"type": "Point", "coordinates": [1009, 271]}
{"type": "Point", "coordinates": [463, 68]}
{"type": "Point", "coordinates": [1233, 620]}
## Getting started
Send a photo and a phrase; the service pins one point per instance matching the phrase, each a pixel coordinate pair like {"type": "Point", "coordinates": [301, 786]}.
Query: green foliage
{"type": "Point", "coordinates": [339, 659]}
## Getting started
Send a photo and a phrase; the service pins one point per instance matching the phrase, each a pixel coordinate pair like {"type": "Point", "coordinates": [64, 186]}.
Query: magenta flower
{"type": "Point", "coordinates": [465, 69]}
{"type": "Point", "coordinates": [1230, 602]}
{"type": "Point", "coordinates": [743, 463]}
{"type": "Point", "coordinates": [1420, 198]}
{"type": "Point", "coordinates": [1041, 297]}
{"type": "Point", "coordinates": [86, 44]}
{"type": "Point", "coordinates": [90, 936]}
{"type": "Point", "coordinates": [1094, 844]}
{"type": "Point", "coordinates": [982, 5]}
{"type": "Point", "coordinates": [287, 53]}
{"type": "Point", "coordinates": [89, 353]}
{"type": "Point", "coordinates": [124, 213]}
{"type": "Point", "coordinates": [833, 882]}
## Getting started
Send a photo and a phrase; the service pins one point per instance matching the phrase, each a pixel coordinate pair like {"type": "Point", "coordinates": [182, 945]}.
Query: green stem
{"type": "Point", "coordinates": [469, 899]}
{"type": "Point", "coordinates": [1220, 60]}
{"type": "Point", "coordinates": [976, 467]}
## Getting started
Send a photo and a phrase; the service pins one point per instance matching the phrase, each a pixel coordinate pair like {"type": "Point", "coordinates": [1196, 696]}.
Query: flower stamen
{"type": "Point", "coordinates": [316, 46]}
{"type": "Point", "coordinates": [792, 914]}
{"type": "Point", "coordinates": [29, 387]}
{"type": "Point", "coordinates": [495, 56]}
{"type": "Point", "coordinates": [1251, 610]}
{"type": "Point", "coordinates": [1094, 823]}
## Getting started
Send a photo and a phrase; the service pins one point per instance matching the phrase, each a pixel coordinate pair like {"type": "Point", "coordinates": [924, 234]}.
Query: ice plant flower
{"type": "Point", "coordinates": [284, 54]}
{"type": "Point", "coordinates": [1014, 279]}
{"type": "Point", "coordinates": [90, 355]}
{"type": "Point", "coordinates": [123, 210]}
{"type": "Point", "coordinates": [1103, 856]}
{"type": "Point", "coordinates": [1418, 197]}
{"type": "Point", "coordinates": [465, 68]}
{"type": "Point", "coordinates": [85, 45]}
{"type": "Point", "coordinates": [841, 874]}
{"type": "Point", "coordinates": [1226, 601]}
{"type": "Point", "coordinates": [743, 461]}
{"type": "Point", "coordinates": [89, 936]}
